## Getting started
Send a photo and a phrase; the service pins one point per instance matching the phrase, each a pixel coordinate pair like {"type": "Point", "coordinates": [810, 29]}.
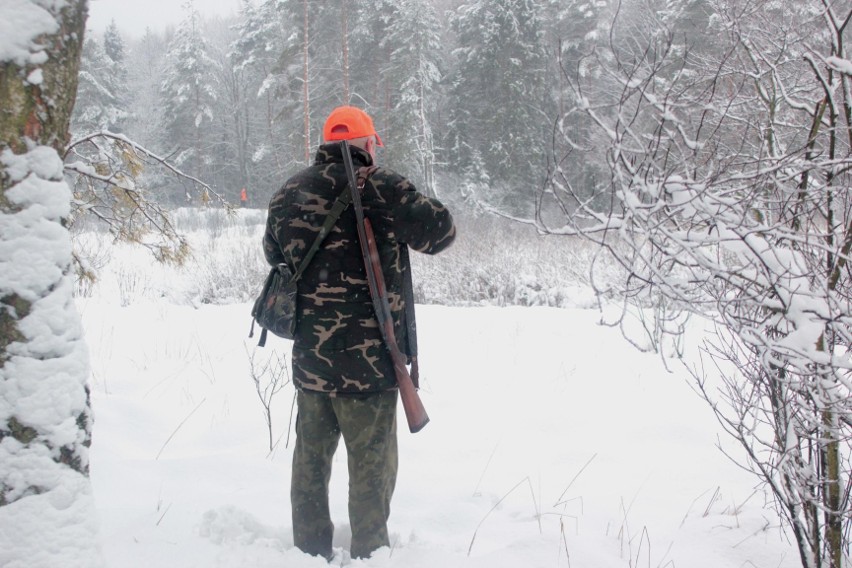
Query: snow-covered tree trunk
{"type": "Point", "coordinates": [47, 515]}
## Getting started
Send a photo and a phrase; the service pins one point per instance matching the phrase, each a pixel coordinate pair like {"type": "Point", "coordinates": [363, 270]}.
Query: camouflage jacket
{"type": "Point", "coordinates": [338, 346]}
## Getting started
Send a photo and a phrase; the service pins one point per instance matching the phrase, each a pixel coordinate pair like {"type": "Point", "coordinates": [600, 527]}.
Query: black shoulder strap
{"type": "Point", "coordinates": [340, 204]}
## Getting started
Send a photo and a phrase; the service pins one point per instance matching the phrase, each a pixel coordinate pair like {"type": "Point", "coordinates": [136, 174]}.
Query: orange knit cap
{"type": "Point", "coordinates": [347, 123]}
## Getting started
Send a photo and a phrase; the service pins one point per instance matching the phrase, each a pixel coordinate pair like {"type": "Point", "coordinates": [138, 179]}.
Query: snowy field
{"type": "Point", "coordinates": [553, 443]}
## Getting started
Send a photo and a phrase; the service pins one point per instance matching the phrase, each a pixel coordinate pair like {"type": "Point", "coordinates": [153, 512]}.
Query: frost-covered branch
{"type": "Point", "coordinates": [107, 172]}
{"type": "Point", "coordinates": [725, 194]}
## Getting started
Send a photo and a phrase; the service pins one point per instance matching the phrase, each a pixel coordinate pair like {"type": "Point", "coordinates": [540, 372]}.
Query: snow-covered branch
{"type": "Point", "coordinates": [727, 197]}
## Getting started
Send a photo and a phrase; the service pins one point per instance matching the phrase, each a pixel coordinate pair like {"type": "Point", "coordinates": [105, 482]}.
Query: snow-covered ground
{"type": "Point", "coordinates": [553, 443]}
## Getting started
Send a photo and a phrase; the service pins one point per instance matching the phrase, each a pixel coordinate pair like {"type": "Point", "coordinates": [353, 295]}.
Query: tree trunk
{"type": "Point", "coordinates": [345, 39]}
{"type": "Point", "coordinates": [306, 91]}
{"type": "Point", "coordinates": [45, 416]}
{"type": "Point", "coordinates": [832, 498]}
{"type": "Point", "coordinates": [43, 112]}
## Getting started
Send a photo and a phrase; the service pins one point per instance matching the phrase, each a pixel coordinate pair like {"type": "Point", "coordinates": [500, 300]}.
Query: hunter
{"type": "Point", "coordinates": [342, 370]}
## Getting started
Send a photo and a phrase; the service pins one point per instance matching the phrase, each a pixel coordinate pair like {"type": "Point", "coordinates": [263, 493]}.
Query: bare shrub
{"type": "Point", "coordinates": [270, 374]}
{"type": "Point", "coordinates": [497, 262]}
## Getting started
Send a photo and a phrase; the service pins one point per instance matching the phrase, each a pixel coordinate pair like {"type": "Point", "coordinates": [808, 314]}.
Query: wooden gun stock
{"type": "Point", "coordinates": [415, 412]}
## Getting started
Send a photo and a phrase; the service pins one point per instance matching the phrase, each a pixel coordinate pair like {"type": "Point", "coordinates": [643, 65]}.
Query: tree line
{"type": "Point", "coordinates": [466, 94]}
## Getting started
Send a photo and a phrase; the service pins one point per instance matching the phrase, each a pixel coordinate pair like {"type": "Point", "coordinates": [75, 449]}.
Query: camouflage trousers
{"type": "Point", "coordinates": [368, 426]}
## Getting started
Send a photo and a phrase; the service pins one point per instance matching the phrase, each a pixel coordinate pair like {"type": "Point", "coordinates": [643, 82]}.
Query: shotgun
{"type": "Point", "coordinates": [415, 412]}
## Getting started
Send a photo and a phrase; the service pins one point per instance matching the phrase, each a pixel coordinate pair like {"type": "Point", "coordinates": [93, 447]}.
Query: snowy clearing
{"type": "Point", "coordinates": [552, 443]}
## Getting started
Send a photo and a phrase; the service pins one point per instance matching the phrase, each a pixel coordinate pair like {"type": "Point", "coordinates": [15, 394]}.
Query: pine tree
{"type": "Point", "coordinates": [332, 73]}
{"type": "Point", "coordinates": [102, 94]}
{"type": "Point", "coordinates": [146, 61]}
{"type": "Point", "coordinates": [189, 92]}
{"type": "Point", "coordinates": [266, 54]}
{"type": "Point", "coordinates": [414, 74]}
{"type": "Point", "coordinates": [307, 78]}
{"type": "Point", "coordinates": [500, 105]}
{"type": "Point", "coordinates": [115, 52]}
{"type": "Point", "coordinates": [114, 44]}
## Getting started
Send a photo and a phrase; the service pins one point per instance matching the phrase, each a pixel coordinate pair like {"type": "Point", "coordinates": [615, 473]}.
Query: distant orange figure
{"type": "Point", "coordinates": [243, 197]}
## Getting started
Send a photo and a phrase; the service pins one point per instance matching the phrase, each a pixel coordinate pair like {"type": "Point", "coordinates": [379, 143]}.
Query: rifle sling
{"type": "Point", "coordinates": [340, 205]}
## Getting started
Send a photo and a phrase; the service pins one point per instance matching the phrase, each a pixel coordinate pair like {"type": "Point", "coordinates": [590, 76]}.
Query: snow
{"type": "Point", "coordinates": [839, 64]}
{"type": "Point", "coordinates": [52, 529]}
{"type": "Point", "coordinates": [36, 77]}
{"type": "Point", "coordinates": [23, 21]}
{"type": "Point", "coordinates": [552, 443]}
{"type": "Point", "coordinates": [44, 198]}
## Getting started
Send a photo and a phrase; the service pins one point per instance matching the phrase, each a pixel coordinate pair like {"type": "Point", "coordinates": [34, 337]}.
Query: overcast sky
{"type": "Point", "coordinates": [133, 16]}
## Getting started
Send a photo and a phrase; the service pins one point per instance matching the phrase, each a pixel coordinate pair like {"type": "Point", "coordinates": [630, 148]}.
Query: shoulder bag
{"type": "Point", "coordinates": [275, 308]}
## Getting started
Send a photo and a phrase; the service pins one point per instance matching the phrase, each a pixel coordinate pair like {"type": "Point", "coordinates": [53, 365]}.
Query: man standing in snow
{"type": "Point", "coordinates": [341, 368]}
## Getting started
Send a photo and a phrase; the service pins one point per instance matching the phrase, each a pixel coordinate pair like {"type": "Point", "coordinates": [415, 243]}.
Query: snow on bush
{"type": "Point", "coordinates": [493, 262]}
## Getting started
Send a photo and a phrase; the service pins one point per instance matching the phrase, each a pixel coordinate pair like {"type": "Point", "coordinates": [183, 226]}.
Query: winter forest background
{"type": "Point", "coordinates": [701, 149]}
{"type": "Point", "coordinates": [466, 95]}
{"type": "Point", "coordinates": [674, 160]}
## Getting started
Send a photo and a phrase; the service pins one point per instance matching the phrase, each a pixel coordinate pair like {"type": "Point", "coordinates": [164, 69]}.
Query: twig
{"type": "Point", "coordinates": [646, 538]}
{"type": "Point", "coordinates": [535, 504]}
{"type": "Point", "coordinates": [290, 424]}
{"type": "Point", "coordinates": [582, 469]}
{"type": "Point", "coordinates": [481, 477]}
{"type": "Point", "coordinates": [564, 543]}
{"type": "Point", "coordinates": [694, 501]}
{"type": "Point", "coordinates": [289, 429]}
{"type": "Point", "coordinates": [497, 504]}
{"type": "Point", "coordinates": [169, 439]}
{"type": "Point", "coordinates": [710, 504]}
{"type": "Point", "coordinates": [268, 381]}
{"type": "Point", "coordinates": [670, 562]}
{"type": "Point", "coordinates": [562, 517]}
{"type": "Point", "coordinates": [160, 520]}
